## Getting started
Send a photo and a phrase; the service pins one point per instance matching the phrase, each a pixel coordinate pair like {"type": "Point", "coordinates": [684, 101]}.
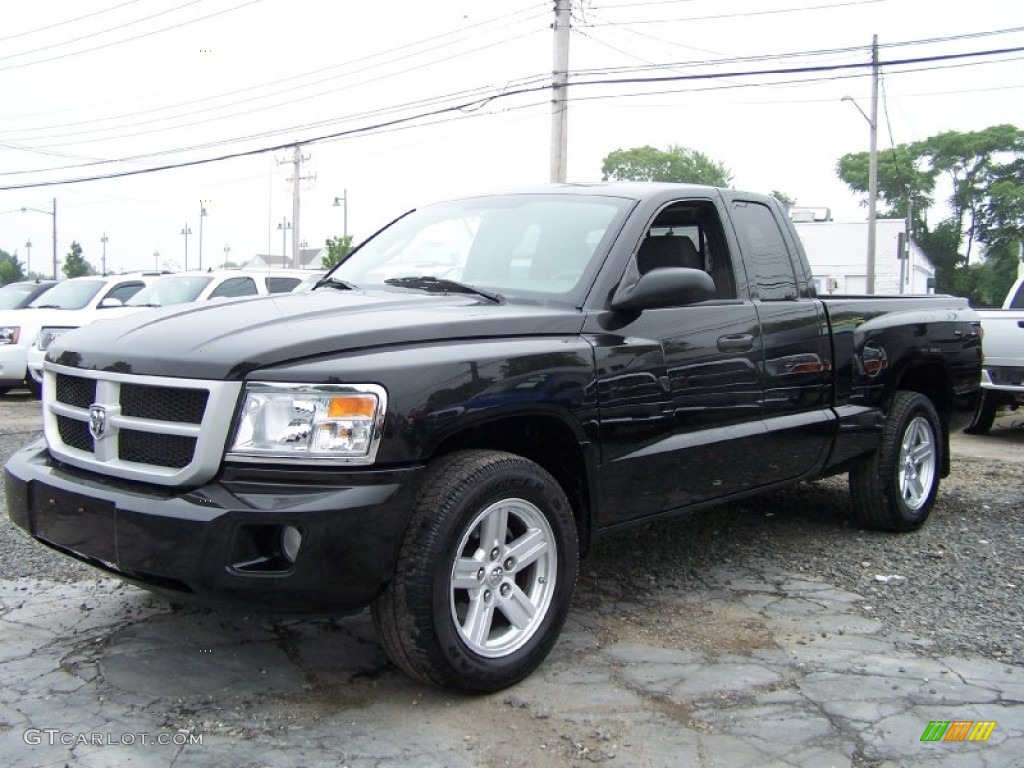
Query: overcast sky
{"type": "Point", "coordinates": [423, 102]}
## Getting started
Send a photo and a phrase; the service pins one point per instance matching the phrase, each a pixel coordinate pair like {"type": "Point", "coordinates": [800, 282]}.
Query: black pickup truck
{"type": "Point", "coordinates": [444, 425]}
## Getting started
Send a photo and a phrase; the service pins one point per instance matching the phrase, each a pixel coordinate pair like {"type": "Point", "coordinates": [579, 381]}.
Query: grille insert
{"type": "Point", "coordinates": [75, 390]}
{"type": "Point", "coordinates": [172, 451]}
{"type": "Point", "coordinates": [164, 403]}
{"type": "Point", "coordinates": [74, 433]}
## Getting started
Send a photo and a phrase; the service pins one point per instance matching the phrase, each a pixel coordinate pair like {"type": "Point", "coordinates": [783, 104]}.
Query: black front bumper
{"type": "Point", "coordinates": [220, 544]}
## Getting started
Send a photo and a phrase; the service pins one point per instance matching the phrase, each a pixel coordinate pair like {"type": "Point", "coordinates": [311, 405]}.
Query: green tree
{"type": "Point", "coordinates": [337, 249]}
{"type": "Point", "coordinates": [985, 172]}
{"type": "Point", "coordinates": [678, 164]}
{"type": "Point", "coordinates": [787, 201]}
{"type": "Point", "coordinates": [10, 268]}
{"type": "Point", "coordinates": [75, 264]}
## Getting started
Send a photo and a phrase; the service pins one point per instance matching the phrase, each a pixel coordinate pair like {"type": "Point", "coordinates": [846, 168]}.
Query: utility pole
{"type": "Point", "coordinates": [297, 177]}
{"type": "Point", "coordinates": [103, 240]}
{"type": "Point", "coordinates": [559, 93]}
{"type": "Point", "coordinates": [873, 167]}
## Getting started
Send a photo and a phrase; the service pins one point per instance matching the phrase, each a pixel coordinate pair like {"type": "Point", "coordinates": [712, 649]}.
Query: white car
{"type": "Point", "coordinates": [63, 306]}
{"type": "Point", "coordinates": [164, 291]}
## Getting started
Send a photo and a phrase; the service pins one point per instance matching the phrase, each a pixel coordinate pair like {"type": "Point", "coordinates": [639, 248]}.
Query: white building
{"type": "Point", "coordinates": [838, 253]}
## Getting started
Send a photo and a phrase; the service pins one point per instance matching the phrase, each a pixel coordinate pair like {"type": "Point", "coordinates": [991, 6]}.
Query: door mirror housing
{"type": "Point", "coordinates": [664, 287]}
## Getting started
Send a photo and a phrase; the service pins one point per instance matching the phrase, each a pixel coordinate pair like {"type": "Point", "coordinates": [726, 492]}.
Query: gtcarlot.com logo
{"type": "Point", "coordinates": [958, 730]}
{"type": "Point", "coordinates": [54, 736]}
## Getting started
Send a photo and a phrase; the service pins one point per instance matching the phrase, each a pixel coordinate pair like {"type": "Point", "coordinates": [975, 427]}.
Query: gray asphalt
{"type": "Point", "coordinates": [769, 633]}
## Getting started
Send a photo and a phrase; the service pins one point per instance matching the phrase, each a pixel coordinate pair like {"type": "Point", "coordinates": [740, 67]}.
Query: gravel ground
{"type": "Point", "coordinates": [956, 584]}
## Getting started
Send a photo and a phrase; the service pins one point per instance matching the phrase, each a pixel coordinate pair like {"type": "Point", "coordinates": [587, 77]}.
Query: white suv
{"type": "Point", "coordinates": [63, 306]}
{"type": "Point", "coordinates": [163, 291]}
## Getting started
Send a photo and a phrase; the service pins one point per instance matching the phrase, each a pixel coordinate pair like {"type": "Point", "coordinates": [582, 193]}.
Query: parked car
{"type": "Point", "coordinates": [19, 294]}
{"type": "Point", "coordinates": [1002, 377]}
{"type": "Point", "coordinates": [164, 291]}
{"type": "Point", "coordinates": [444, 451]}
{"type": "Point", "coordinates": [61, 306]}
{"type": "Point", "coordinates": [214, 284]}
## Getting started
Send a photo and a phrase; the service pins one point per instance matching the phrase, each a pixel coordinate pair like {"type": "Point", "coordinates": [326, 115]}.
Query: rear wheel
{"type": "Point", "coordinates": [894, 489]}
{"type": "Point", "coordinates": [485, 573]}
{"type": "Point", "coordinates": [984, 416]}
{"type": "Point", "coordinates": [35, 388]}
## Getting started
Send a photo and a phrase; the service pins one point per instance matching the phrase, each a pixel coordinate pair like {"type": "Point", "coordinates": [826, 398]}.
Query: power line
{"type": "Point", "coordinates": [744, 14]}
{"type": "Point", "coordinates": [67, 21]}
{"type": "Point", "coordinates": [125, 40]}
{"type": "Point", "coordinates": [479, 103]}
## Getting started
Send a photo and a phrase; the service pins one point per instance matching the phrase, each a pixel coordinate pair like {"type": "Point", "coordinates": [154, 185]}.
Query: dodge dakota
{"type": "Point", "coordinates": [444, 426]}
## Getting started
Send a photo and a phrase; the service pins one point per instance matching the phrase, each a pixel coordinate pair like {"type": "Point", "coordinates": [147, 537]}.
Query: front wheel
{"type": "Point", "coordinates": [894, 489]}
{"type": "Point", "coordinates": [485, 573]}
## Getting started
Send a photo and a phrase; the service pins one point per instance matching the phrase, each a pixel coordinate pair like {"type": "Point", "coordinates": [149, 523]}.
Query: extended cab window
{"type": "Point", "coordinates": [769, 264]}
{"type": "Point", "coordinates": [281, 284]}
{"type": "Point", "coordinates": [689, 234]}
{"type": "Point", "coordinates": [235, 286]}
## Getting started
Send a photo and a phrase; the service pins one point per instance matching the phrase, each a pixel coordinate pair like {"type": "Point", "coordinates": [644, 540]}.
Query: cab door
{"type": "Point", "coordinates": [797, 367]}
{"type": "Point", "coordinates": [679, 388]}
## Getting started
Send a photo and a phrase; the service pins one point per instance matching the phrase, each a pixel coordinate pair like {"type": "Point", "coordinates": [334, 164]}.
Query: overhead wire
{"type": "Point", "coordinates": [478, 103]}
{"type": "Point", "coordinates": [83, 17]}
{"type": "Point", "coordinates": [130, 39]}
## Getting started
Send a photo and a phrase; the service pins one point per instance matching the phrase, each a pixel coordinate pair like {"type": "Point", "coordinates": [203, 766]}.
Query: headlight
{"type": "Point", "coordinates": [9, 334]}
{"type": "Point", "coordinates": [49, 335]}
{"type": "Point", "coordinates": [320, 423]}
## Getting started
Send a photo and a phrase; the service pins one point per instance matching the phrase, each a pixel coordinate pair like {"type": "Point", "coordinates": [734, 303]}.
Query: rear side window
{"type": "Point", "coordinates": [235, 286]}
{"type": "Point", "coordinates": [281, 284]}
{"type": "Point", "coordinates": [769, 264]}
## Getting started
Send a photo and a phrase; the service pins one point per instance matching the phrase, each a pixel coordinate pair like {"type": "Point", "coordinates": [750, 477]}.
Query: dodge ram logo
{"type": "Point", "coordinates": [97, 421]}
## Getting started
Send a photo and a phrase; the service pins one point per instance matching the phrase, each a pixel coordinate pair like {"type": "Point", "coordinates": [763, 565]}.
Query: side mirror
{"type": "Point", "coordinates": [111, 302]}
{"type": "Point", "coordinates": [664, 287]}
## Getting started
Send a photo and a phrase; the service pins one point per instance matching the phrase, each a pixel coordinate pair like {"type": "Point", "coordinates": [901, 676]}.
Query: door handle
{"type": "Point", "coordinates": [738, 342]}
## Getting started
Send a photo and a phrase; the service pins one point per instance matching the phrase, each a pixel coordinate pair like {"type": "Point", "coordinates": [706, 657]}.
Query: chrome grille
{"type": "Point", "coordinates": [168, 431]}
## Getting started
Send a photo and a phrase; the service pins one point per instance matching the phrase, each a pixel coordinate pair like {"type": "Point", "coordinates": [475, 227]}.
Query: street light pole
{"type": "Point", "coordinates": [54, 215]}
{"type": "Point", "coordinates": [156, 261]}
{"type": "Point", "coordinates": [28, 258]}
{"type": "Point", "coordinates": [202, 215]}
{"type": "Point", "coordinates": [284, 226]}
{"type": "Point", "coordinates": [185, 231]}
{"type": "Point", "coordinates": [343, 201]}
{"type": "Point", "coordinates": [227, 250]}
{"type": "Point", "coordinates": [104, 261]}
{"type": "Point", "coordinates": [872, 164]}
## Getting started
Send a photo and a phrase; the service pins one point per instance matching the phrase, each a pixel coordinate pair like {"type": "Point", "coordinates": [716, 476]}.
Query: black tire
{"type": "Point", "coordinates": [35, 388]}
{"type": "Point", "coordinates": [424, 619]}
{"type": "Point", "coordinates": [4, 391]}
{"type": "Point", "coordinates": [984, 416]}
{"type": "Point", "coordinates": [894, 489]}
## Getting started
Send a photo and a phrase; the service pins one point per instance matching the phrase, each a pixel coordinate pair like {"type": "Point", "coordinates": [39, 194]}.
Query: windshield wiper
{"type": "Point", "coordinates": [436, 285]}
{"type": "Point", "coordinates": [334, 283]}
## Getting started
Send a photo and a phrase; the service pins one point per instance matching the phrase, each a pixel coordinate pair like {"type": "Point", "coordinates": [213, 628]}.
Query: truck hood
{"type": "Point", "coordinates": [229, 339]}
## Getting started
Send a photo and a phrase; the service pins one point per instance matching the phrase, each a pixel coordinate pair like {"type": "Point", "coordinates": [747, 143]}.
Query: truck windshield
{"type": "Point", "coordinates": [71, 294]}
{"type": "Point", "coordinates": [514, 245]}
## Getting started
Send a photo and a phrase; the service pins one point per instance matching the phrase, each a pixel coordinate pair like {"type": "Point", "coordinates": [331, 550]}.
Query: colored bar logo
{"type": "Point", "coordinates": [958, 730]}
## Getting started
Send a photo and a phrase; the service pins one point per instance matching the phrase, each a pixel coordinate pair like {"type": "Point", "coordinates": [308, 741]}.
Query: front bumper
{"type": "Point", "coordinates": [34, 363]}
{"type": "Point", "coordinates": [13, 359]}
{"type": "Point", "coordinates": [220, 544]}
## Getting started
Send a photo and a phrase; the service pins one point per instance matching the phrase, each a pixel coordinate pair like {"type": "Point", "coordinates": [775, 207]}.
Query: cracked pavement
{"type": "Point", "coordinates": [664, 661]}
{"type": "Point", "coordinates": [803, 678]}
